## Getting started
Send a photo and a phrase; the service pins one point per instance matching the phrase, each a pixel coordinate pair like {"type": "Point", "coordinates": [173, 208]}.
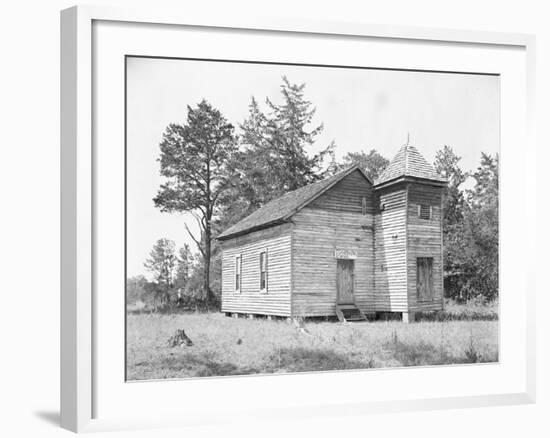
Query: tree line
{"type": "Point", "coordinates": [470, 227]}
{"type": "Point", "coordinates": [219, 174]}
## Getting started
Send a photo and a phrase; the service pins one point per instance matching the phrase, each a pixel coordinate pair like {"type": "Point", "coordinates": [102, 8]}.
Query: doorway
{"type": "Point", "coordinates": [345, 281]}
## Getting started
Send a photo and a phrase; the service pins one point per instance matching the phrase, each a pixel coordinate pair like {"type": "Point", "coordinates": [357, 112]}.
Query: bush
{"type": "Point", "coordinates": [474, 310]}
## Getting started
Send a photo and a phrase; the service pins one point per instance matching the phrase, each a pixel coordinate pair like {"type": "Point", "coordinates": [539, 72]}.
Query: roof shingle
{"type": "Point", "coordinates": [408, 162]}
{"type": "Point", "coordinates": [283, 207]}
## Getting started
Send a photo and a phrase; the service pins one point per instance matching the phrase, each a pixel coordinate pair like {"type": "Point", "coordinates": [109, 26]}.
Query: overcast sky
{"type": "Point", "coordinates": [361, 109]}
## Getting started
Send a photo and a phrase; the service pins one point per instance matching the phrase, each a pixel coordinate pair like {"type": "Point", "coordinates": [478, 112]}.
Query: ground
{"type": "Point", "coordinates": [228, 346]}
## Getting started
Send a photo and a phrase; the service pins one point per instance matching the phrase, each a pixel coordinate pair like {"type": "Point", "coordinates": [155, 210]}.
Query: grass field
{"type": "Point", "coordinates": [227, 346]}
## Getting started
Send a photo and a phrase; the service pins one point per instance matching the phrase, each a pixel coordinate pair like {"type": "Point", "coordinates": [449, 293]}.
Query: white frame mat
{"type": "Point", "coordinates": [89, 379]}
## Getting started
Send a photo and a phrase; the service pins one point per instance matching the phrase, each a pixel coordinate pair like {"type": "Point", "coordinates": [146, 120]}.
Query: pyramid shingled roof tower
{"type": "Point", "coordinates": [409, 163]}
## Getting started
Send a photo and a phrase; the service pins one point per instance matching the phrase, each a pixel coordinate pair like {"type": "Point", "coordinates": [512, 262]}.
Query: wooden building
{"type": "Point", "coordinates": [344, 246]}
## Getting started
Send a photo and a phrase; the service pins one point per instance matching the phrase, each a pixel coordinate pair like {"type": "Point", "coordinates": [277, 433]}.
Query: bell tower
{"type": "Point", "coordinates": [409, 236]}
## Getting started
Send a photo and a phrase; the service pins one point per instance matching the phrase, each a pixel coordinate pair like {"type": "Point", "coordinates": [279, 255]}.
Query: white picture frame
{"type": "Point", "coordinates": [83, 370]}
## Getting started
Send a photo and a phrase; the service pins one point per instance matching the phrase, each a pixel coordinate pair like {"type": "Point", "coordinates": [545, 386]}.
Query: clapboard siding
{"type": "Point", "coordinates": [390, 251]}
{"type": "Point", "coordinates": [276, 301]}
{"type": "Point", "coordinates": [425, 240]}
{"type": "Point", "coordinates": [315, 236]}
{"type": "Point", "coordinates": [347, 195]}
{"type": "Point", "coordinates": [385, 232]}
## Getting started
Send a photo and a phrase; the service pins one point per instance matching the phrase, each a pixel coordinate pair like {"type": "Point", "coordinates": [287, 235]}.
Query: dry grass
{"type": "Point", "coordinates": [472, 310]}
{"type": "Point", "coordinates": [227, 346]}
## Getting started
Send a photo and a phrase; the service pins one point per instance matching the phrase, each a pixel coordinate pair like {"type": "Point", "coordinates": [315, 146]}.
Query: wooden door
{"type": "Point", "coordinates": [344, 281]}
{"type": "Point", "coordinates": [424, 279]}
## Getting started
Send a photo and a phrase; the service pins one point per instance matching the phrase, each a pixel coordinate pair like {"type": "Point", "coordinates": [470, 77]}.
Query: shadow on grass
{"type": "Point", "coordinates": [195, 365]}
{"type": "Point", "coordinates": [284, 360]}
{"type": "Point", "coordinates": [423, 353]}
{"type": "Point", "coordinates": [305, 359]}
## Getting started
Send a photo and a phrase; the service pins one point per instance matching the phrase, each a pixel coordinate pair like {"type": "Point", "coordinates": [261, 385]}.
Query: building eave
{"type": "Point", "coordinates": [288, 213]}
{"type": "Point", "coordinates": [410, 178]}
{"type": "Point", "coordinates": [270, 224]}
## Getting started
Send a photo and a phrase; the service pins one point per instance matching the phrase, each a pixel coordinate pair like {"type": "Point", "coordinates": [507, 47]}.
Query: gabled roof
{"type": "Point", "coordinates": [408, 163]}
{"type": "Point", "coordinates": [281, 209]}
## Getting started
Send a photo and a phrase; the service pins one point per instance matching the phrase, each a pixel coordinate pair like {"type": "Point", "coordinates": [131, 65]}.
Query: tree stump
{"type": "Point", "coordinates": [179, 338]}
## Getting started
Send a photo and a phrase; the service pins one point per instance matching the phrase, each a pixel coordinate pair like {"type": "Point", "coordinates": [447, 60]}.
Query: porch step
{"type": "Point", "coordinates": [349, 313]}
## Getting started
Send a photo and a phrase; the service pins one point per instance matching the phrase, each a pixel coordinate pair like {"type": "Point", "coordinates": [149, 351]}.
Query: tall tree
{"type": "Point", "coordinates": [447, 165]}
{"type": "Point", "coordinates": [455, 240]}
{"type": "Point", "coordinates": [135, 289]}
{"type": "Point", "coordinates": [372, 163]}
{"type": "Point", "coordinates": [483, 227]}
{"type": "Point", "coordinates": [470, 227]}
{"type": "Point", "coordinates": [289, 132]}
{"type": "Point", "coordinates": [185, 265]}
{"type": "Point", "coordinates": [194, 160]}
{"type": "Point", "coordinates": [276, 153]}
{"type": "Point", "coordinates": [484, 194]}
{"type": "Point", "coordinates": [162, 264]}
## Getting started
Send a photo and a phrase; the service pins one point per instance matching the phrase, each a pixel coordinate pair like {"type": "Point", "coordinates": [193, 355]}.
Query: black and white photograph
{"type": "Point", "coordinates": [287, 218]}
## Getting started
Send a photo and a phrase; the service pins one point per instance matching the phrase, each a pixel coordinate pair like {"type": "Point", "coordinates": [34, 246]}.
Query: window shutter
{"type": "Point", "coordinates": [424, 211]}
{"type": "Point", "coordinates": [238, 273]}
{"type": "Point", "coordinates": [263, 270]}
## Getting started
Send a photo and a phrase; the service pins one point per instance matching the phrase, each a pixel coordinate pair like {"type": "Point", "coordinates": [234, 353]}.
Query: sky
{"type": "Point", "coordinates": [361, 109]}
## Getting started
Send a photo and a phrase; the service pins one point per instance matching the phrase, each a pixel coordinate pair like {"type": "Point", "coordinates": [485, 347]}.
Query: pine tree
{"type": "Point", "coordinates": [195, 163]}
{"type": "Point", "coordinates": [470, 227]}
{"type": "Point", "coordinates": [455, 240]}
{"type": "Point", "coordinates": [185, 265]}
{"type": "Point", "coordinates": [447, 165]}
{"type": "Point", "coordinates": [162, 264]}
{"type": "Point", "coordinates": [275, 155]}
{"type": "Point", "coordinates": [483, 228]}
{"type": "Point", "coordinates": [289, 133]}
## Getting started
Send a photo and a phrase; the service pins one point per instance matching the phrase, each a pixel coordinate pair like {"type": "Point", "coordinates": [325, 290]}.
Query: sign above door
{"type": "Point", "coordinates": [345, 253]}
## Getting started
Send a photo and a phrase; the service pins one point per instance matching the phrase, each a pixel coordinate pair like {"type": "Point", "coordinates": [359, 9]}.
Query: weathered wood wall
{"type": "Point", "coordinates": [277, 241]}
{"type": "Point", "coordinates": [390, 250]}
{"type": "Point", "coordinates": [346, 195]}
{"type": "Point", "coordinates": [314, 239]}
{"type": "Point", "coordinates": [301, 255]}
{"type": "Point", "coordinates": [334, 220]}
{"type": "Point", "coordinates": [424, 240]}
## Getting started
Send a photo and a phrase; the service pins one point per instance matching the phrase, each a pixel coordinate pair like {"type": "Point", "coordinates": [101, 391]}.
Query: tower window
{"type": "Point", "coordinates": [424, 211]}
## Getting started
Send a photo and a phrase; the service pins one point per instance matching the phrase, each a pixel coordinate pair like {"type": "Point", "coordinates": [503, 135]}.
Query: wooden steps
{"type": "Point", "coordinates": [349, 313]}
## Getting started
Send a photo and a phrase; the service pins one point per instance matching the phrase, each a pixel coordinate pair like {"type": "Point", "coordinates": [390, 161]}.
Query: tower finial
{"type": "Point", "coordinates": [408, 138]}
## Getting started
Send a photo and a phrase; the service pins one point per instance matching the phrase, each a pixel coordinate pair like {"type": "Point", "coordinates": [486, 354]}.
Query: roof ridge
{"type": "Point", "coordinates": [316, 183]}
{"type": "Point", "coordinates": [281, 208]}
{"type": "Point", "coordinates": [307, 186]}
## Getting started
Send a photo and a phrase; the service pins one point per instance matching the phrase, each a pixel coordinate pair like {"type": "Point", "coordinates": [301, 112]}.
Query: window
{"type": "Point", "coordinates": [424, 279]}
{"type": "Point", "coordinates": [238, 272]}
{"type": "Point", "coordinates": [424, 211]}
{"type": "Point", "coordinates": [364, 206]}
{"type": "Point", "coordinates": [263, 271]}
